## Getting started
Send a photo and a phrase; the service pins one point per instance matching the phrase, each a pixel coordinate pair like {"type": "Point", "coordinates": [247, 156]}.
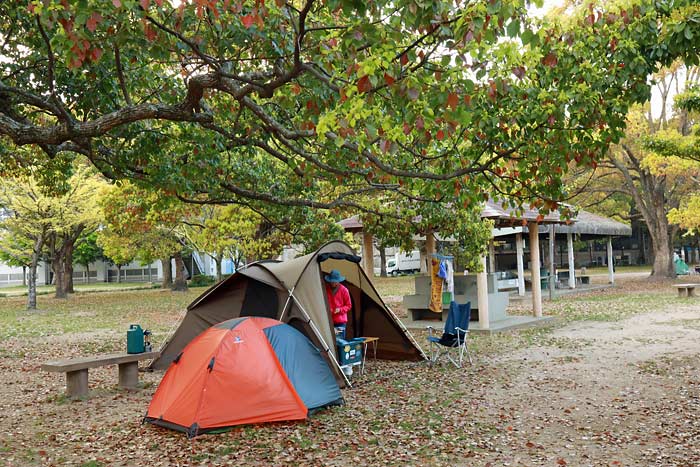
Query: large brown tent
{"type": "Point", "coordinates": [294, 292]}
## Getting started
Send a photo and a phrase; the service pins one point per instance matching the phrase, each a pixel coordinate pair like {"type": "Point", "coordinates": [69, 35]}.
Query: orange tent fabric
{"type": "Point", "coordinates": [247, 386]}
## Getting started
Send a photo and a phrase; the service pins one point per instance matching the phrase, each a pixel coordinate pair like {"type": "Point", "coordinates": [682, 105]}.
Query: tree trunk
{"type": "Point", "coordinates": [218, 260]}
{"type": "Point", "coordinates": [59, 274]}
{"type": "Point", "coordinates": [382, 260]}
{"type": "Point", "coordinates": [167, 273]}
{"type": "Point", "coordinates": [87, 279]}
{"type": "Point", "coordinates": [119, 274]}
{"type": "Point", "coordinates": [67, 251]}
{"type": "Point", "coordinates": [31, 292]}
{"type": "Point", "coordinates": [180, 284]}
{"type": "Point", "coordinates": [24, 276]}
{"type": "Point", "coordinates": [663, 266]}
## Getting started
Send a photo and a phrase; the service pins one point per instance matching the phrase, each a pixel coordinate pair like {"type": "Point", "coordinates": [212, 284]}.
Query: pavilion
{"type": "Point", "coordinates": [509, 222]}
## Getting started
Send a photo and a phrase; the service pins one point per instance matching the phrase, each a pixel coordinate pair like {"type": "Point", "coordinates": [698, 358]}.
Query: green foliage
{"type": "Point", "coordinates": [342, 105]}
{"type": "Point", "coordinates": [139, 224]}
{"type": "Point", "coordinates": [86, 249]}
{"type": "Point", "coordinates": [201, 280]}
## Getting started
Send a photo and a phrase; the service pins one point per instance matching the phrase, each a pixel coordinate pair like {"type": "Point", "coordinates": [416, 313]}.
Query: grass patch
{"type": "Point", "coordinates": [106, 312]}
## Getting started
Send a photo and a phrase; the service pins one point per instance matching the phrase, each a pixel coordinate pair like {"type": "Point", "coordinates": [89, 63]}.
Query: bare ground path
{"type": "Point", "coordinates": [610, 393]}
{"type": "Point", "coordinates": [589, 393]}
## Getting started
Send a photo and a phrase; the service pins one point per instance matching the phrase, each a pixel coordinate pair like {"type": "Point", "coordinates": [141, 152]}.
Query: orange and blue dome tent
{"type": "Point", "coordinates": [243, 371]}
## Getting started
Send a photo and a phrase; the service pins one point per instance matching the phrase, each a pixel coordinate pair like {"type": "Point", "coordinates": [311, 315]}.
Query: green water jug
{"type": "Point", "coordinates": [134, 339]}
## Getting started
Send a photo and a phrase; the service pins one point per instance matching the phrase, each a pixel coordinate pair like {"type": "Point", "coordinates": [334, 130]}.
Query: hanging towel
{"type": "Point", "coordinates": [436, 287]}
{"type": "Point", "coordinates": [450, 279]}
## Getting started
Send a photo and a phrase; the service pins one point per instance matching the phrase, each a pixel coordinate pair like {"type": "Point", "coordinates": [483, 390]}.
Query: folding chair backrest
{"type": "Point", "coordinates": [458, 317]}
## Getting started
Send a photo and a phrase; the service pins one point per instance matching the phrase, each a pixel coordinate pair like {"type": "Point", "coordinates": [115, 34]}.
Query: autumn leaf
{"type": "Point", "coordinates": [248, 21]}
{"type": "Point", "coordinates": [93, 21]}
{"type": "Point", "coordinates": [550, 60]}
{"type": "Point", "coordinates": [452, 100]}
{"type": "Point", "coordinates": [364, 85]}
{"type": "Point", "coordinates": [388, 79]}
{"type": "Point", "coordinates": [145, 4]}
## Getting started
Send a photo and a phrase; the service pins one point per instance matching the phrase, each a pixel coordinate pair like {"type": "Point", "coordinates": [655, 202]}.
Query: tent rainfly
{"type": "Point", "coordinates": [242, 371]}
{"type": "Point", "coordinates": [294, 293]}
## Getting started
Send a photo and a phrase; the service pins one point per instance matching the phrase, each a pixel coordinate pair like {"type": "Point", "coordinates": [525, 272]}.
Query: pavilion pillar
{"type": "Point", "coordinates": [534, 231]}
{"type": "Point", "coordinates": [552, 266]}
{"type": "Point", "coordinates": [572, 266]}
{"type": "Point", "coordinates": [611, 266]}
{"type": "Point", "coordinates": [368, 254]}
{"type": "Point", "coordinates": [492, 256]}
{"type": "Point", "coordinates": [519, 257]}
{"type": "Point", "coordinates": [482, 295]}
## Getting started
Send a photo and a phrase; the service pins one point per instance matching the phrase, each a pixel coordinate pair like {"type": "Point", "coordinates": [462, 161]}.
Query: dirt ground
{"type": "Point", "coordinates": [590, 393]}
{"type": "Point", "coordinates": [617, 393]}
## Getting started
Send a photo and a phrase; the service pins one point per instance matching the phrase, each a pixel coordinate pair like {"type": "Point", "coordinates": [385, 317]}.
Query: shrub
{"type": "Point", "coordinates": [201, 280]}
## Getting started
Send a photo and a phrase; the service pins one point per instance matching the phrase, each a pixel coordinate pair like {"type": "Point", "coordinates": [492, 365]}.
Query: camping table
{"type": "Point", "coordinates": [366, 341]}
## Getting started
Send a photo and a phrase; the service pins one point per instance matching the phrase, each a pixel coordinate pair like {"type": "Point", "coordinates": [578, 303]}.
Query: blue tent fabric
{"type": "Point", "coordinates": [304, 366]}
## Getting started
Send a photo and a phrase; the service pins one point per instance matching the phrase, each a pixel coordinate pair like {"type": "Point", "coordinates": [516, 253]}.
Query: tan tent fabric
{"type": "Point", "coordinates": [294, 292]}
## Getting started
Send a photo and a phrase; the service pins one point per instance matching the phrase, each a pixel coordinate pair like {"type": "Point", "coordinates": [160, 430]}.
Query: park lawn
{"type": "Point", "coordinates": [20, 290]}
{"type": "Point", "coordinates": [397, 413]}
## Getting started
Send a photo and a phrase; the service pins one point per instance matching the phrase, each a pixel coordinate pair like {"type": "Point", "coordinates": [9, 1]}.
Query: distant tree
{"type": "Point", "coordinates": [636, 173]}
{"type": "Point", "coordinates": [148, 223]}
{"type": "Point", "coordinates": [29, 218]}
{"type": "Point", "coordinates": [16, 251]}
{"type": "Point", "coordinates": [87, 251]}
{"type": "Point", "coordinates": [117, 249]}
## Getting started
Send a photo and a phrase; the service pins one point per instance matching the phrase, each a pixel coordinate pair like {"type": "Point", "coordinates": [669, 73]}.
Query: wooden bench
{"type": "Point", "coordinates": [686, 290]}
{"type": "Point", "coordinates": [76, 370]}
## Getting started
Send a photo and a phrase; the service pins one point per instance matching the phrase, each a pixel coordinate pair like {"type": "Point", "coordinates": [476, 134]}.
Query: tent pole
{"type": "Point", "coordinates": [286, 304]}
{"type": "Point", "coordinates": [320, 338]}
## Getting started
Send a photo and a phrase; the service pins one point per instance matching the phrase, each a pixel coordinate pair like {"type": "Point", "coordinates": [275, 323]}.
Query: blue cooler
{"type": "Point", "coordinates": [349, 351]}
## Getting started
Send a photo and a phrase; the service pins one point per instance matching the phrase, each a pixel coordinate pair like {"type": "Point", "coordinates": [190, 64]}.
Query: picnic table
{"type": "Point", "coordinates": [76, 370]}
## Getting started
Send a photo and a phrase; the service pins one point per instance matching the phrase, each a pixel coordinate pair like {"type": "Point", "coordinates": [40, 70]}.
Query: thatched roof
{"type": "Point", "coordinates": [585, 224]}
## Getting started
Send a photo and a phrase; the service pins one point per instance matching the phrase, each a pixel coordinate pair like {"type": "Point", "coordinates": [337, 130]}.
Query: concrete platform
{"type": "Point", "coordinates": [510, 323]}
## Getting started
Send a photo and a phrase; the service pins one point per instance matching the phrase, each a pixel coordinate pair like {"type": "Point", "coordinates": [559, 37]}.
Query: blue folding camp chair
{"type": "Point", "coordinates": [453, 342]}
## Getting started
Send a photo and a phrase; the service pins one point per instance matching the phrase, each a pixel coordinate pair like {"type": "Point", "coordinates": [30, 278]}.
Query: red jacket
{"type": "Point", "coordinates": [340, 300]}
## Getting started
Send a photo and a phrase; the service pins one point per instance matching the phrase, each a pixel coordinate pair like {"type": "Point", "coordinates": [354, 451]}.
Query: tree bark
{"type": "Point", "coordinates": [31, 292]}
{"type": "Point", "coordinates": [59, 274]}
{"type": "Point", "coordinates": [218, 259]}
{"type": "Point", "coordinates": [167, 273]}
{"type": "Point", "coordinates": [119, 274]}
{"type": "Point", "coordinates": [67, 249]}
{"type": "Point", "coordinates": [382, 260]}
{"type": "Point", "coordinates": [180, 283]}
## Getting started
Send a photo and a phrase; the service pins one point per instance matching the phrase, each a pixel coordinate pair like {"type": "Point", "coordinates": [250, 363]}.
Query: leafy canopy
{"type": "Point", "coordinates": [373, 106]}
